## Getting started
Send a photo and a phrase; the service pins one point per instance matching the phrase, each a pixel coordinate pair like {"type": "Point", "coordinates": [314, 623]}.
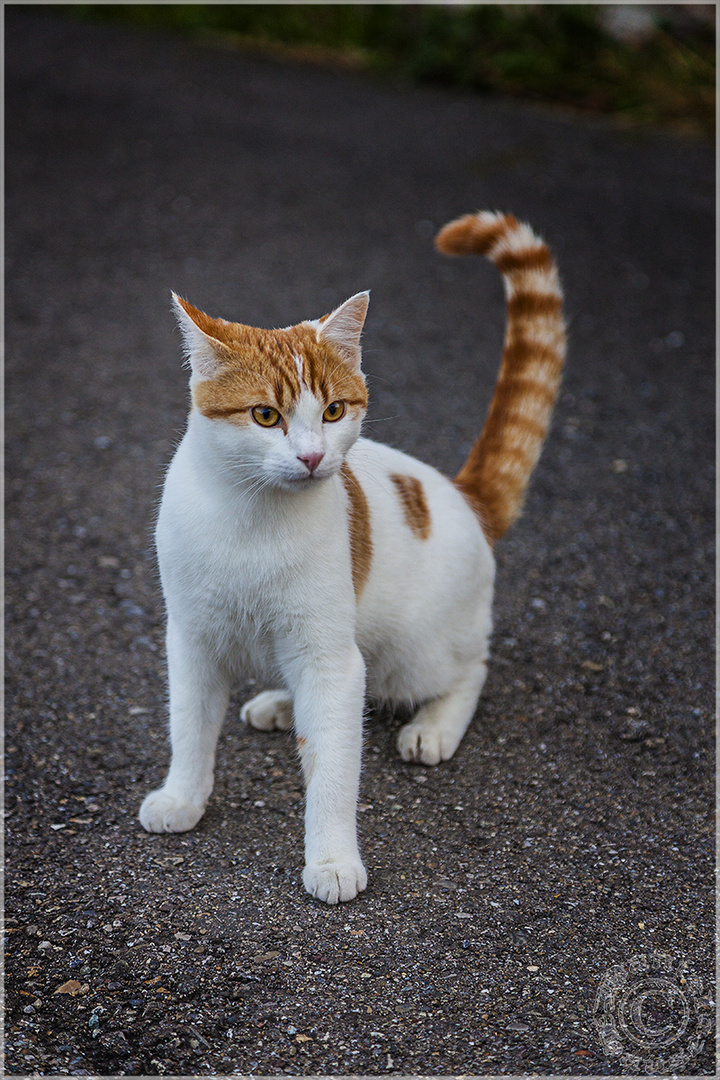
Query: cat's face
{"type": "Point", "coordinates": [284, 406]}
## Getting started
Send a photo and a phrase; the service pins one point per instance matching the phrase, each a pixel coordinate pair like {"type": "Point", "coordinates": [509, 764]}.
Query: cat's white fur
{"type": "Point", "coordinates": [255, 561]}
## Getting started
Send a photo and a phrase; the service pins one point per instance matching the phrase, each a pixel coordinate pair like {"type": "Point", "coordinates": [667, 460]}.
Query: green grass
{"type": "Point", "coordinates": [555, 53]}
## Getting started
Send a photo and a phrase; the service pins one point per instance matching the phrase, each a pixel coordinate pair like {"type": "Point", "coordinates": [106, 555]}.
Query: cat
{"type": "Point", "coordinates": [332, 566]}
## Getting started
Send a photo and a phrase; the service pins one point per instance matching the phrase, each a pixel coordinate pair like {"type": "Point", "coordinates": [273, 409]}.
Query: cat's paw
{"type": "Point", "coordinates": [161, 812]}
{"type": "Point", "coordinates": [425, 744]}
{"type": "Point", "coordinates": [335, 882]}
{"type": "Point", "coordinates": [269, 710]}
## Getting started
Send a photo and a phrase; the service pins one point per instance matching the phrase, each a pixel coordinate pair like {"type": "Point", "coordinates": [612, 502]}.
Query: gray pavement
{"type": "Point", "coordinates": [572, 833]}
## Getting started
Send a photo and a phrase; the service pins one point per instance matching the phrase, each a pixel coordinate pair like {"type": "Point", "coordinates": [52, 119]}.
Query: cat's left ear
{"type": "Point", "coordinates": [344, 325]}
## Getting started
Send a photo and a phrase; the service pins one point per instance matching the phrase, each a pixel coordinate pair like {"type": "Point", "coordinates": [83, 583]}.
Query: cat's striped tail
{"type": "Point", "coordinates": [496, 474]}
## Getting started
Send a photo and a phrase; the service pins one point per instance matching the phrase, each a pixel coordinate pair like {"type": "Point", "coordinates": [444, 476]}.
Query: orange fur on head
{"type": "Point", "coordinates": [258, 367]}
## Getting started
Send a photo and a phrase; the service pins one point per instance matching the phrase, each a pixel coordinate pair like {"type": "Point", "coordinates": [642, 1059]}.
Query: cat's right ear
{"type": "Point", "coordinates": [201, 350]}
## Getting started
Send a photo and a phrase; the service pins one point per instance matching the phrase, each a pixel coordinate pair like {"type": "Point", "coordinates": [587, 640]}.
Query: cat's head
{"type": "Point", "coordinates": [282, 406]}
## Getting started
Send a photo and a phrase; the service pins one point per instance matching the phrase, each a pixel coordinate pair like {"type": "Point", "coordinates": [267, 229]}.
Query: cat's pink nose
{"type": "Point", "coordinates": [311, 461]}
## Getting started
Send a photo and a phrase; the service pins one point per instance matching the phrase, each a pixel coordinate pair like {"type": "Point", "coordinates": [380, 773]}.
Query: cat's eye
{"type": "Point", "coordinates": [265, 416]}
{"type": "Point", "coordinates": [334, 411]}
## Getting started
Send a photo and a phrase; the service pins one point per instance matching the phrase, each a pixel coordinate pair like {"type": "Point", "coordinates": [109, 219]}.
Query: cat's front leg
{"type": "Point", "coordinates": [199, 694]}
{"type": "Point", "coordinates": [328, 725]}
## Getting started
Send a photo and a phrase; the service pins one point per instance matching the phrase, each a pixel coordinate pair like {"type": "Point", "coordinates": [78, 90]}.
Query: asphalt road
{"type": "Point", "coordinates": [513, 887]}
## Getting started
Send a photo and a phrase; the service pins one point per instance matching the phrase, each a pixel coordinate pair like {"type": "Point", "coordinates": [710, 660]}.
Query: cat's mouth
{"type": "Point", "coordinates": [308, 480]}
{"type": "Point", "coordinates": [302, 481]}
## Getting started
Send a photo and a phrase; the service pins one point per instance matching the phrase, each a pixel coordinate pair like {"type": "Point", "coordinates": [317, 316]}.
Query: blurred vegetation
{"type": "Point", "coordinates": [558, 53]}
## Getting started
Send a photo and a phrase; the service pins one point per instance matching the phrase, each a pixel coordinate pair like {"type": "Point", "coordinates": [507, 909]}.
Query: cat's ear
{"type": "Point", "coordinates": [343, 327]}
{"type": "Point", "coordinates": [202, 350]}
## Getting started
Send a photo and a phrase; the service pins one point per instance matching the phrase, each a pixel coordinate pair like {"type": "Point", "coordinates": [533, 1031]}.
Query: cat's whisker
{"type": "Point", "coordinates": [379, 419]}
{"type": "Point", "coordinates": [372, 377]}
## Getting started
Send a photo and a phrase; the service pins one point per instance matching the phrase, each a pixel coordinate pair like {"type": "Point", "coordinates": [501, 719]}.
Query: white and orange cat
{"type": "Point", "coordinates": [330, 566]}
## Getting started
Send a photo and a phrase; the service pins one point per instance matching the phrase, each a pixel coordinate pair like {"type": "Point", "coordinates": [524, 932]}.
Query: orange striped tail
{"type": "Point", "coordinates": [496, 474]}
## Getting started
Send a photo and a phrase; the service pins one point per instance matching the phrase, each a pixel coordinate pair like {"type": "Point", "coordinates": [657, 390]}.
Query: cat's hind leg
{"type": "Point", "coordinates": [269, 710]}
{"type": "Point", "coordinates": [438, 727]}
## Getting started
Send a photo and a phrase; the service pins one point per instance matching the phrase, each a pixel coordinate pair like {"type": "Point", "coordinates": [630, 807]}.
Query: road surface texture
{"type": "Point", "coordinates": [556, 875]}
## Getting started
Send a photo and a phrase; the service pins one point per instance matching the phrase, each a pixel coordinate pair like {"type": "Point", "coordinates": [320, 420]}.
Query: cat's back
{"type": "Point", "coordinates": [422, 532]}
{"type": "Point", "coordinates": [424, 608]}
{"type": "Point", "coordinates": [402, 490]}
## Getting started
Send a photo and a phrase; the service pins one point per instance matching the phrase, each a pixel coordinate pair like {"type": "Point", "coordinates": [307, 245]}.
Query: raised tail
{"type": "Point", "coordinates": [495, 476]}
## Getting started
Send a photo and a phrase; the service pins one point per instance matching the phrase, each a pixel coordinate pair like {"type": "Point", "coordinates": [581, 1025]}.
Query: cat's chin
{"type": "Point", "coordinates": [305, 483]}
{"type": "Point", "coordinates": [300, 483]}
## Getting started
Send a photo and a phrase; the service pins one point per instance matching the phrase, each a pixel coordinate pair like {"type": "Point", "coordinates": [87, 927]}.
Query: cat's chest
{"type": "Point", "coordinates": [239, 575]}
{"type": "Point", "coordinates": [219, 563]}
{"type": "Point", "coordinates": [224, 593]}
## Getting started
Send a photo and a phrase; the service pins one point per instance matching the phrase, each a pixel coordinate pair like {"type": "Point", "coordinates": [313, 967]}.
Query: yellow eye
{"type": "Point", "coordinates": [334, 411]}
{"type": "Point", "coordinates": [265, 416]}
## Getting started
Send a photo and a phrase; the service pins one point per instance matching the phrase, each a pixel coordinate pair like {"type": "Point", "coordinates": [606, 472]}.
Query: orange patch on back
{"type": "Point", "coordinates": [412, 497]}
{"type": "Point", "coordinates": [360, 531]}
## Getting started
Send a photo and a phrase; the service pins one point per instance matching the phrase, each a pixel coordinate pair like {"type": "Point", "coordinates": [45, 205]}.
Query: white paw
{"type": "Point", "coordinates": [164, 813]}
{"type": "Point", "coordinates": [269, 710]}
{"type": "Point", "coordinates": [335, 882]}
{"type": "Point", "coordinates": [424, 744]}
